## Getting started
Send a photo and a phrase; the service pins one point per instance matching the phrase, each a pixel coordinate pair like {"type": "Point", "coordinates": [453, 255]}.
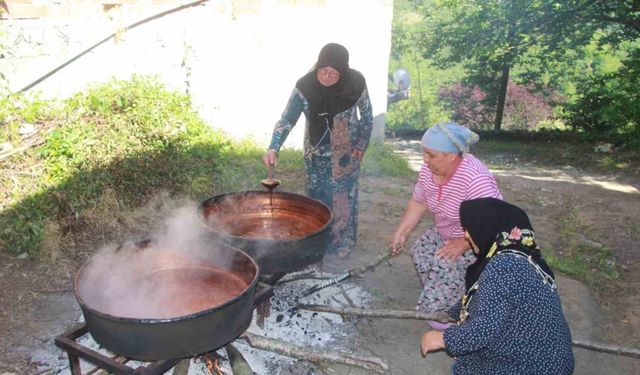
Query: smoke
{"type": "Point", "coordinates": [178, 271]}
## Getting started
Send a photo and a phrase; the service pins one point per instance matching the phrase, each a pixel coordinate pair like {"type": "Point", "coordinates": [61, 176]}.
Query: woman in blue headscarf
{"type": "Point", "coordinates": [449, 175]}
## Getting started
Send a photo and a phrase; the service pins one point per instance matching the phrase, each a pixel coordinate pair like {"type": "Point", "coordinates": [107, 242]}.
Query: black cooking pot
{"type": "Point", "coordinates": [207, 324]}
{"type": "Point", "coordinates": [282, 231]}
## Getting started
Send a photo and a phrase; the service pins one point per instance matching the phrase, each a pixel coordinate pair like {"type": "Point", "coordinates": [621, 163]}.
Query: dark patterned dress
{"type": "Point", "coordinates": [514, 325]}
{"type": "Point", "coordinates": [332, 172]}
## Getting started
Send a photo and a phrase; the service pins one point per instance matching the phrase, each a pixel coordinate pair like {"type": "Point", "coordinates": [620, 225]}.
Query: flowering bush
{"type": "Point", "coordinates": [466, 105]}
{"type": "Point", "coordinates": [523, 108]}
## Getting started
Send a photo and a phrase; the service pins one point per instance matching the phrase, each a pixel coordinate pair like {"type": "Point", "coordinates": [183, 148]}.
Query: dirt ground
{"type": "Point", "coordinates": [37, 303]}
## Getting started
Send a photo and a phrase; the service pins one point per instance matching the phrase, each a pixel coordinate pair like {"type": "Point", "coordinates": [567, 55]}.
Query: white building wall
{"type": "Point", "coordinates": [239, 60]}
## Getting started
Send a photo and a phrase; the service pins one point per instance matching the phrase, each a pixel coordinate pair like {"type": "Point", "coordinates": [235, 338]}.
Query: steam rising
{"type": "Point", "coordinates": [178, 272]}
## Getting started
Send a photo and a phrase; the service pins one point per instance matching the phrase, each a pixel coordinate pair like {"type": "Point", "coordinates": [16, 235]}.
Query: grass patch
{"type": "Point", "coordinates": [380, 160]}
{"type": "Point", "coordinates": [98, 162]}
{"type": "Point", "coordinates": [124, 140]}
{"type": "Point", "coordinates": [395, 191]}
{"type": "Point", "coordinates": [581, 258]}
{"type": "Point", "coordinates": [591, 265]}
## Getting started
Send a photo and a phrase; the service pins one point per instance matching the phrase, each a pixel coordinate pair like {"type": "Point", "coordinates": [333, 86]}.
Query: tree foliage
{"type": "Point", "coordinates": [573, 61]}
{"type": "Point", "coordinates": [422, 109]}
{"type": "Point", "coordinates": [607, 104]}
{"type": "Point", "coordinates": [491, 37]}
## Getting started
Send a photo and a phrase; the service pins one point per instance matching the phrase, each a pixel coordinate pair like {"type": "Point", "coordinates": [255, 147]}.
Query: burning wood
{"type": "Point", "coordinates": [182, 368]}
{"type": "Point", "coordinates": [283, 348]}
{"type": "Point", "coordinates": [212, 364]}
{"type": "Point", "coordinates": [263, 311]}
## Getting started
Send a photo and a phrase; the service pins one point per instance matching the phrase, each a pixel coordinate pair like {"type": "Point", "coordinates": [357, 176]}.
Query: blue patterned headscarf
{"type": "Point", "coordinates": [449, 137]}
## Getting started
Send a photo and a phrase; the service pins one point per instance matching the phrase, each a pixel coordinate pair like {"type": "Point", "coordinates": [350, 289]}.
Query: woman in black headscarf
{"type": "Point", "coordinates": [331, 96]}
{"type": "Point", "coordinates": [510, 320]}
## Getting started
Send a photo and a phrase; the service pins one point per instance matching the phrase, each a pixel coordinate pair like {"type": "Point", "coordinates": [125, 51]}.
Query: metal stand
{"type": "Point", "coordinates": [75, 351]}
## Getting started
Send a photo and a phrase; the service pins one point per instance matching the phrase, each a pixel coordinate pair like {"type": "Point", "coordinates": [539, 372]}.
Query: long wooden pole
{"type": "Point", "coordinates": [403, 314]}
{"type": "Point", "coordinates": [606, 348]}
{"type": "Point", "coordinates": [378, 313]}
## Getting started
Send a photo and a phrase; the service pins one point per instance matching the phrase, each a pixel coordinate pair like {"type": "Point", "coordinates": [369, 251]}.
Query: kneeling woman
{"type": "Point", "coordinates": [510, 318]}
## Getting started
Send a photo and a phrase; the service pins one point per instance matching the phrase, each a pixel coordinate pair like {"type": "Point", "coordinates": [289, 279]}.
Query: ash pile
{"type": "Point", "coordinates": [303, 328]}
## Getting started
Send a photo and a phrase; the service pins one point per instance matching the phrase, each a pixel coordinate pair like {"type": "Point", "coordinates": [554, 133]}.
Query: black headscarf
{"type": "Point", "coordinates": [493, 222]}
{"type": "Point", "coordinates": [326, 102]}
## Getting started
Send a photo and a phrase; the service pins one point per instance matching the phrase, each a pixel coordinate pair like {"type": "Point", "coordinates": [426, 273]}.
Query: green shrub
{"type": "Point", "coordinates": [134, 138]}
{"type": "Point", "coordinates": [607, 105]}
{"type": "Point", "coordinates": [380, 160]}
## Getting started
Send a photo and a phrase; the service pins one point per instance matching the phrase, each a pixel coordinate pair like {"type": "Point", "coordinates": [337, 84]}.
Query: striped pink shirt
{"type": "Point", "coordinates": [471, 180]}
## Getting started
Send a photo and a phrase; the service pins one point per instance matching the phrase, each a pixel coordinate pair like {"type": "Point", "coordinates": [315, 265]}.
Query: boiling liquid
{"type": "Point", "coordinates": [170, 293]}
{"type": "Point", "coordinates": [280, 227]}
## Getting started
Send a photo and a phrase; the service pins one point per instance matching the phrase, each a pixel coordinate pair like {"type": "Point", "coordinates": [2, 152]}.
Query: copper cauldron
{"type": "Point", "coordinates": [282, 231]}
{"type": "Point", "coordinates": [150, 303]}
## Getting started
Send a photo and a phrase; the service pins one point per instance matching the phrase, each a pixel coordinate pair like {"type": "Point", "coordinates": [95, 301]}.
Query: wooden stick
{"type": "Point", "coordinates": [347, 274]}
{"type": "Point", "coordinates": [283, 348]}
{"type": "Point", "coordinates": [376, 262]}
{"type": "Point", "coordinates": [239, 364]}
{"type": "Point", "coordinates": [605, 348]}
{"type": "Point", "coordinates": [380, 313]}
{"type": "Point", "coordinates": [17, 150]}
{"type": "Point", "coordinates": [182, 368]}
{"type": "Point", "coordinates": [403, 314]}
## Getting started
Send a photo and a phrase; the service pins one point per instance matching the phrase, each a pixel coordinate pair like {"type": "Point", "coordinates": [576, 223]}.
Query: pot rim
{"type": "Point", "coordinates": [260, 192]}
{"type": "Point", "coordinates": [250, 288]}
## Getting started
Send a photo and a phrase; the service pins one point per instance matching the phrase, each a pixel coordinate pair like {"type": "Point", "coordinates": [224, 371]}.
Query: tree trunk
{"type": "Point", "coordinates": [502, 95]}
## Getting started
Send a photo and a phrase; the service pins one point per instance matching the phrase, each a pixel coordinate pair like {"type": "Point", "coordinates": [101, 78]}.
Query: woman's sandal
{"type": "Point", "coordinates": [438, 326]}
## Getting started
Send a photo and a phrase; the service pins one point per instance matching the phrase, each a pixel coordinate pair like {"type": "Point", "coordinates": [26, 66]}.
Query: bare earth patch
{"type": "Point", "coordinates": [568, 208]}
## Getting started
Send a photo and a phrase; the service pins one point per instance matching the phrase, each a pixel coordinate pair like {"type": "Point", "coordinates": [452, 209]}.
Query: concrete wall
{"type": "Point", "coordinates": [238, 59]}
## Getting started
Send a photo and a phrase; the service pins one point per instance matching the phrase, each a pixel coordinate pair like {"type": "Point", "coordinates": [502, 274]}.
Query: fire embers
{"type": "Point", "coordinates": [212, 362]}
{"type": "Point", "coordinates": [307, 328]}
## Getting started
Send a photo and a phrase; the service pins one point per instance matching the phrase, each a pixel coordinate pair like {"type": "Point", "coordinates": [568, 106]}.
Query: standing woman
{"type": "Point", "coordinates": [335, 102]}
{"type": "Point", "coordinates": [449, 175]}
{"type": "Point", "coordinates": [510, 319]}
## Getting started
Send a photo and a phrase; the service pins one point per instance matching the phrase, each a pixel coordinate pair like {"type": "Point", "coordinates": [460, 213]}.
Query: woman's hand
{"type": "Point", "coordinates": [396, 245]}
{"type": "Point", "coordinates": [432, 340]}
{"type": "Point", "coordinates": [412, 215]}
{"type": "Point", "coordinates": [454, 248]}
{"type": "Point", "coordinates": [270, 158]}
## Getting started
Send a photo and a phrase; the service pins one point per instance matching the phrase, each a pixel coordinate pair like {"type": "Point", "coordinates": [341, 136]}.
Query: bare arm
{"type": "Point", "coordinates": [411, 217]}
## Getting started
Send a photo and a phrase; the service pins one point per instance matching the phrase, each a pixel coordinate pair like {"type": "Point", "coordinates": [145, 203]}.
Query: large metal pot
{"type": "Point", "coordinates": [282, 231]}
{"type": "Point", "coordinates": [203, 324]}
